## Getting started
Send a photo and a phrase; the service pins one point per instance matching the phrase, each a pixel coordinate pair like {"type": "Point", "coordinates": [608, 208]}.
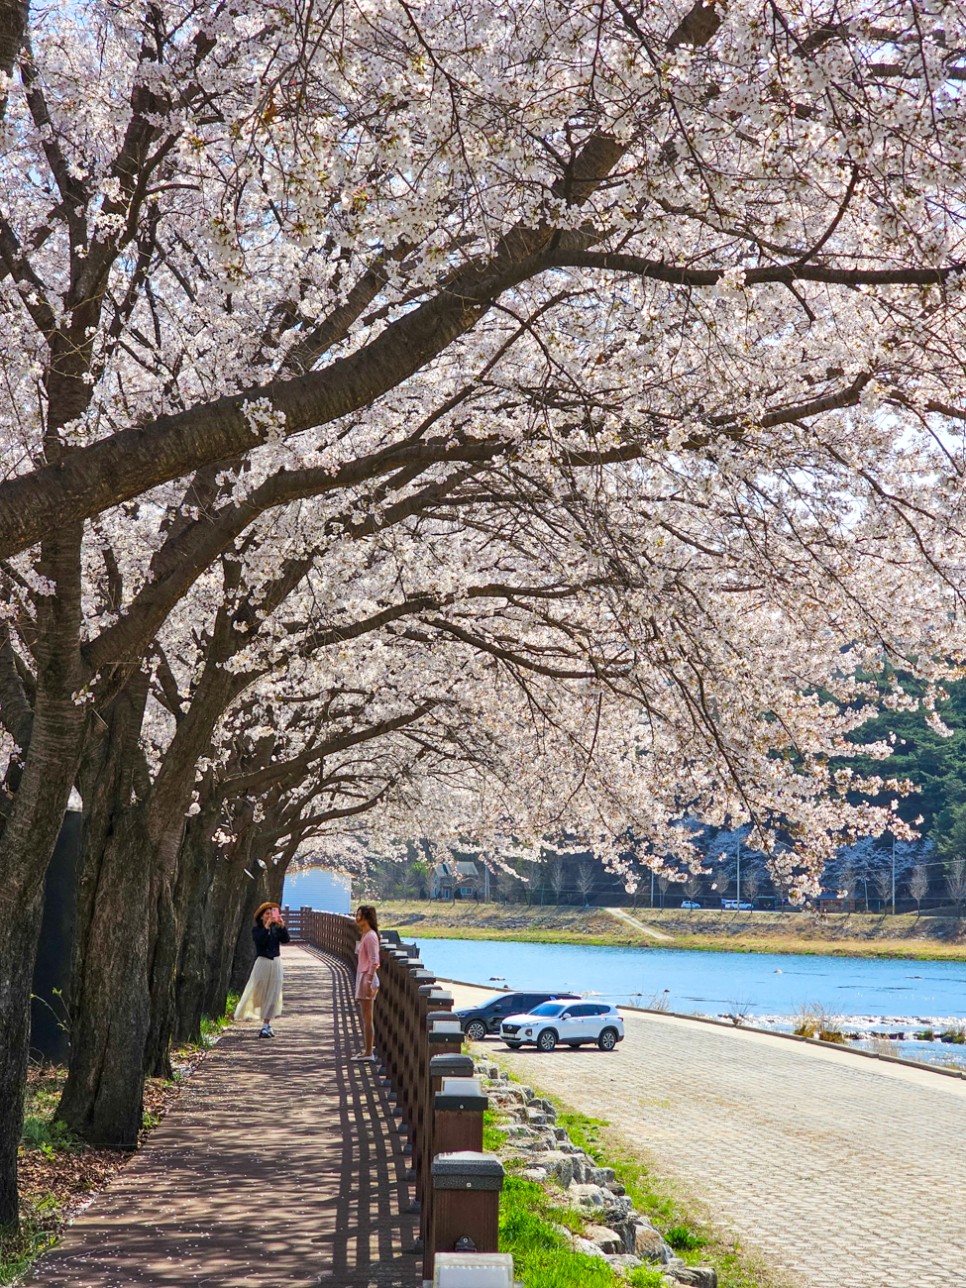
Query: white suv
{"type": "Point", "coordinates": [571, 1023]}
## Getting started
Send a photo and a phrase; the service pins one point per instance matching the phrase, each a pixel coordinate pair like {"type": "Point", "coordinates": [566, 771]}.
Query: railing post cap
{"type": "Point", "coordinates": [440, 1015]}
{"type": "Point", "coordinates": [452, 1065]}
{"type": "Point", "coordinates": [461, 1094]}
{"type": "Point", "coordinates": [467, 1170]}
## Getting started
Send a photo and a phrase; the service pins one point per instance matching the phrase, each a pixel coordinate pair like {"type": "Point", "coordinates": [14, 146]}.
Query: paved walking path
{"type": "Point", "coordinates": [843, 1172]}
{"type": "Point", "coordinates": [623, 915]}
{"type": "Point", "coordinates": [275, 1168]}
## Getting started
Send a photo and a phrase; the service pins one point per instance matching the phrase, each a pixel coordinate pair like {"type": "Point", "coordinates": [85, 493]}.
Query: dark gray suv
{"type": "Point", "coordinates": [478, 1021]}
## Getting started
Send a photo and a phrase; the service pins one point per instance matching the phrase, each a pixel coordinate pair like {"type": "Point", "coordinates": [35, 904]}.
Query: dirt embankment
{"type": "Point", "coordinates": [863, 934]}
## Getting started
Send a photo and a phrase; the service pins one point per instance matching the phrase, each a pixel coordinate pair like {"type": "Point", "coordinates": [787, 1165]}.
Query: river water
{"type": "Point", "coordinates": [860, 995]}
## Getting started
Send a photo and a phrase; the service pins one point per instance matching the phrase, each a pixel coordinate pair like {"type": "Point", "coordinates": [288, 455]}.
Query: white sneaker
{"type": "Point", "coordinates": [267, 1031]}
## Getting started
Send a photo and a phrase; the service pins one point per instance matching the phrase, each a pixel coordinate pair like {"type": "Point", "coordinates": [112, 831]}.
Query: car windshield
{"type": "Point", "coordinates": [549, 1008]}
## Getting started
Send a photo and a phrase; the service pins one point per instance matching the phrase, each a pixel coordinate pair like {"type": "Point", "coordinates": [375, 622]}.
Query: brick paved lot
{"type": "Point", "coordinates": [843, 1172]}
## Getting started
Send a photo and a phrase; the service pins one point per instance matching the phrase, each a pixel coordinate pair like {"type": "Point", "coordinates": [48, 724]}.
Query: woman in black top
{"type": "Point", "coordinates": [262, 998]}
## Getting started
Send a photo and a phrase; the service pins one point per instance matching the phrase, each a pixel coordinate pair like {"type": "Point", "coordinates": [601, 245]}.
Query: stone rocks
{"type": "Point", "coordinates": [605, 1238]}
{"type": "Point", "coordinates": [560, 1166]}
{"type": "Point", "coordinates": [647, 1242]}
{"type": "Point", "coordinates": [589, 1248]}
{"type": "Point", "coordinates": [625, 1261]}
{"type": "Point", "coordinates": [588, 1197]}
{"type": "Point", "coordinates": [697, 1276]}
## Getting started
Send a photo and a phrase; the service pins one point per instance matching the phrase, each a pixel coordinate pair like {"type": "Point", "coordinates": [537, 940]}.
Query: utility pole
{"type": "Point", "coordinates": [893, 876]}
{"type": "Point", "coordinates": [652, 887]}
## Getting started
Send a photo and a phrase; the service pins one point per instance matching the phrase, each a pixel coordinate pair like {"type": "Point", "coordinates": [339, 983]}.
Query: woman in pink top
{"type": "Point", "coordinates": [367, 977]}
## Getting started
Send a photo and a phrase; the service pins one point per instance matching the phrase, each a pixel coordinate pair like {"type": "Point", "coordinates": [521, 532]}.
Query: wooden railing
{"type": "Point", "coordinates": [438, 1106]}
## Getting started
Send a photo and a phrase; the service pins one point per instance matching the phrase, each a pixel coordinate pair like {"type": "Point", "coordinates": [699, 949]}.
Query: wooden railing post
{"type": "Point", "coordinates": [420, 1044]}
{"type": "Point", "coordinates": [458, 1109]}
{"type": "Point", "coordinates": [457, 1123]}
{"type": "Point", "coordinates": [466, 1205]}
{"type": "Point", "coordinates": [448, 1066]}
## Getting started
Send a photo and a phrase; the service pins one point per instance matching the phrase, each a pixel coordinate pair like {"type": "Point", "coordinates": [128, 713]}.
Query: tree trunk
{"type": "Point", "coordinates": [30, 833]}
{"type": "Point", "coordinates": [228, 909]}
{"type": "Point", "coordinates": [103, 1096]}
{"type": "Point", "coordinates": [18, 945]}
{"type": "Point", "coordinates": [191, 985]}
{"type": "Point", "coordinates": [210, 894]}
{"type": "Point", "coordinates": [169, 929]}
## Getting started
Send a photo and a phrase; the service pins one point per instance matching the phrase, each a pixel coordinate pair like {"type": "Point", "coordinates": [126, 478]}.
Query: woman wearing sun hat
{"type": "Point", "coordinates": [262, 998]}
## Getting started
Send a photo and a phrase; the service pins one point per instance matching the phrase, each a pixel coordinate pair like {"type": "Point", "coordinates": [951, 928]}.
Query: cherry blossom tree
{"type": "Point", "coordinates": [682, 280]}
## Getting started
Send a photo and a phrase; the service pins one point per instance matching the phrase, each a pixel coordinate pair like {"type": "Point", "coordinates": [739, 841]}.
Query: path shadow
{"type": "Point", "coordinates": [277, 1167]}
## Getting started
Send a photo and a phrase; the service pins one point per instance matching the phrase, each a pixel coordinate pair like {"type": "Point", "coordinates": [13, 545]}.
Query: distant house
{"type": "Point", "coordinates": [456, 880]}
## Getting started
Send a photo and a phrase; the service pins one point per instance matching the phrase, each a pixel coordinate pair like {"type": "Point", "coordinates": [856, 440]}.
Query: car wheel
{"type": "Point", "coordinates": [547, 1040]}
{"type": "Point", "coordinates": [607, 1040]}
{"type": "Point", "coordinates": [476, 1030]}
{"type": "Point", "coordinates": [514, 1046]}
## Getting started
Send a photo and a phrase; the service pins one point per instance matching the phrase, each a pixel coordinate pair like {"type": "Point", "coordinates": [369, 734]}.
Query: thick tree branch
{"type": "Point", "coordinates": [113, 470]}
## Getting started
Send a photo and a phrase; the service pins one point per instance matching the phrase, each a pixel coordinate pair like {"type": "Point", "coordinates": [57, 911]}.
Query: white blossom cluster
{"type": "Point", "coordinates": [589, 386]}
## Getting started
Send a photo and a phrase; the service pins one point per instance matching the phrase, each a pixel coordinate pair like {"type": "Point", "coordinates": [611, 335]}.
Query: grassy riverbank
{"type": "Point", "coordinates": [840, 934]}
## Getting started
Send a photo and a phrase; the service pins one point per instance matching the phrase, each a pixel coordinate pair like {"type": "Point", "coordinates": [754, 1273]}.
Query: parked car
{"type": "Point", "coordinates": [478, 1021]}
{"type": "Point", "coordinates": [570, 1023]}
{"type": "Point", "coordinates": [690, 903]}
{"type": "Point", "coordinates": [733, 905]}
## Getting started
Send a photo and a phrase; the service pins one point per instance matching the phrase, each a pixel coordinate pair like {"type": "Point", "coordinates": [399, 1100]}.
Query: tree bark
{"type": "Point", "coordinates": [212, 892]}
{"type": "Point", "coordinates": [18, 948]}
{"type": "Point", "coordinates": [102, 1098]}
{"type": "Point", "coordinates": [103, 1095]}
{"type": "Point", "coordinates": [13, 26]}
{"type": "Point", "coordinates": [30, 833]}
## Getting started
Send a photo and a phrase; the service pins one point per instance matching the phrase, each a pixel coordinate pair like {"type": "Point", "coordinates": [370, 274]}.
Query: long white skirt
{"type": "Point", "coordinates": [262, 998]}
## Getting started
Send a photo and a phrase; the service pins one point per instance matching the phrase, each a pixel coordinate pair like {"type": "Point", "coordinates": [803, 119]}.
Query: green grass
{"type": "Point", "coordinates": [494, 1140]}
{"type": "Point", "coordinates": [623, 936]}
{"type": "Point", "coordinates": [212, 1027]}
{"type": "Point", "coordinates": [683, 1239]}
{"type": "Point", "coordinates": [646, 1277]}
{"type": "Point", "coordinates": [40, 1131]}
{"type": "Point", "coordinates": [18, 1250]}
{"type": "Point", "coordinates": [542, 1255]}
